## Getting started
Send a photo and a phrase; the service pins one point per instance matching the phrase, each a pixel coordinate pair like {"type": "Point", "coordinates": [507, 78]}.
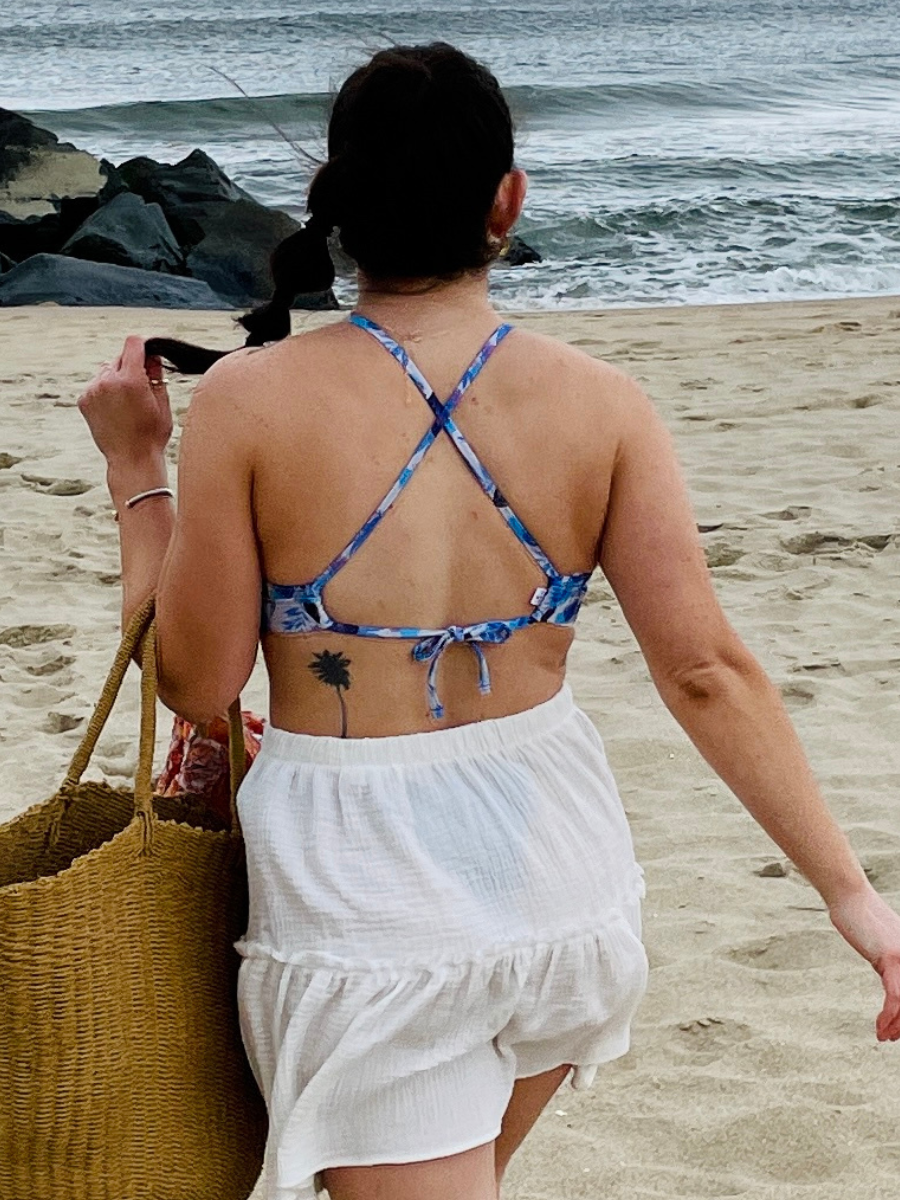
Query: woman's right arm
{"type": "Point", "coordinates": [717, 691]}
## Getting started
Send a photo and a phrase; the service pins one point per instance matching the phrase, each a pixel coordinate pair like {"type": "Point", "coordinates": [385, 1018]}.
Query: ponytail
{"type": "Point", "coordinates": [300, 264]}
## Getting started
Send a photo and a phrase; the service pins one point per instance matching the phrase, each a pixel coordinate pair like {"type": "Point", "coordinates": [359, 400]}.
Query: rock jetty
{"type": "Point", "coordinates": [78, 230]}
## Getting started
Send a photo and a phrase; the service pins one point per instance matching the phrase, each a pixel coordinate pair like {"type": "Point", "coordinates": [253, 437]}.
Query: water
{"type": "Point", "coordinates": [679, 151]}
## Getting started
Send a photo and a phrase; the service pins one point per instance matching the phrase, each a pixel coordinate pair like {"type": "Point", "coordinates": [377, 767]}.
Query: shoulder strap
{"type": "Point", "coordinates": [396, 351]}
{"type": "Point", "coordinates": [443, 414]}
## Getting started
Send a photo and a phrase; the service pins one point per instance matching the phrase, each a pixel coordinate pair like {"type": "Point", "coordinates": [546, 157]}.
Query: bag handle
{"type": "Point", "coordinates": [141, 632]}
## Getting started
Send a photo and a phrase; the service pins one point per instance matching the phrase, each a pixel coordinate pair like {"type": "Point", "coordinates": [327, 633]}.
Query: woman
{"type": "Point", "coordinates": [445, 905]}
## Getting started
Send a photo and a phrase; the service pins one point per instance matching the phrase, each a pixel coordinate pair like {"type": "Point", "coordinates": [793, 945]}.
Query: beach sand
{"type": "Point", "coordinates": [754, 1070]}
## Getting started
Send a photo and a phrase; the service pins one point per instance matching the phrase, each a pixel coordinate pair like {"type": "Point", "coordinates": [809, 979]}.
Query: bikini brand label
{"type": "Point", "coordinates": [538, 595]}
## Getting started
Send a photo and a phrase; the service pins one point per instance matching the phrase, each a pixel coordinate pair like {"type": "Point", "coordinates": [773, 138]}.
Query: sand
{"type": "Point", "coordinates": [755, 1070]}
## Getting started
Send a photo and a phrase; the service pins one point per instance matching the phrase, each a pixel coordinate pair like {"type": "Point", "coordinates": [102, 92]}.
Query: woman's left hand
{"type": "Point", "coordinates": [872, 928]}
{"type": "Point", "coordinates": [126, 407]}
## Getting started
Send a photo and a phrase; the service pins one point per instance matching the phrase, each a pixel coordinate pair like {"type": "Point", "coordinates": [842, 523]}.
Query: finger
{"type": "Point", "coordinates": [154, 368]}
{"type": "Point", "coordinates": [132, 358]}
{"type": "Point", "coordinates": [887, 1027]}
{"type": "Point", "coordinates": [892, 1024]}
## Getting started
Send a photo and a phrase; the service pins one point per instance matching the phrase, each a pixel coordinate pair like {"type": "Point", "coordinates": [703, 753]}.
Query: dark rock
{"type": "Point", "coordinates": [115, 185]}
{"type": "Point", "coordinates": [129, 233]}
{"type": "Point", "coordinates": [44, 235]}
{"type": "Point", "coordinates": [6, 264]}
{"type": "Point", "coordinates": [136, 174]}
{"type": "Point", "coordinates": [194, 180]}
{"type": "Point", "coordinates": [74, 211]}
{"type": "Point", "coordinates": [35, 235]}
{"type": "Point", "coordinates": [229, 245]}
{"type": "Point", "coordinates": [69, 281]}
{"type": "Point", "coordinates": [227, 236]}
{"type": "Point", "coordinates": [37, 170]}
{"type": "Point", "coordinates": [520, 252]}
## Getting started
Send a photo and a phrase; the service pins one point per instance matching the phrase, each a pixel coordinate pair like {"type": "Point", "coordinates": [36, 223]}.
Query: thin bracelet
{"type": "Point", "coordinates": [159, 491]}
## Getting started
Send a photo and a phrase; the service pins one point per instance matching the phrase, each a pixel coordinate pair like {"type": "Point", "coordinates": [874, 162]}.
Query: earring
{"type": "Point", "coordinates": [499, 245]}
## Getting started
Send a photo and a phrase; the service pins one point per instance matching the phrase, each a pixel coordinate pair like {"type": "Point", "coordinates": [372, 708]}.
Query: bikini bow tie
{"type": "Point", "coordinates": [430, 649]}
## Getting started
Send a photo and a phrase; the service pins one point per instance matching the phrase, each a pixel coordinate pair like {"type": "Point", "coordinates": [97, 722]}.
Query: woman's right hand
{"type": "Point", "coordinates": [872, 928]}
{"type": "Point", "coordinates": [127, 409]}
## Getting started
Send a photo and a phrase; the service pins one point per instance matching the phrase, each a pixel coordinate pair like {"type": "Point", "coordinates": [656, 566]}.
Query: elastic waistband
{"type": "Point", "coordinates": [462, 741]}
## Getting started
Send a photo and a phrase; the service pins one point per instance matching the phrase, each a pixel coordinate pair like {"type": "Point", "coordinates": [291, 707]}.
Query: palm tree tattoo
{"type": "Point", "coordinates": [331, 669]}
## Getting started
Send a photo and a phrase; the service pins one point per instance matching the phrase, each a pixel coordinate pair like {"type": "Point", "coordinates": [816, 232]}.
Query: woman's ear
{"type": "Point", "coordinates": [508, 203]}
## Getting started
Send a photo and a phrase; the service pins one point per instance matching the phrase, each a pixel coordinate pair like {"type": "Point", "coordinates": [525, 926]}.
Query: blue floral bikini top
{"type": "Point", "coordinates": [299, 608]}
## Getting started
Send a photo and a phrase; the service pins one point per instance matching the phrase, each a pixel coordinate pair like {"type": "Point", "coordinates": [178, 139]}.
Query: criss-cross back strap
{"type": "Point", "coordinates": [444, 417]}
{"type": "Point", "coordinates": [441, 416]}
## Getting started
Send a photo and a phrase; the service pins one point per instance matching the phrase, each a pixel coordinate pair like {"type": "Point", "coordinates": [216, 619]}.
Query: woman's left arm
{"type": "Point", "coordinates": [202, 561]}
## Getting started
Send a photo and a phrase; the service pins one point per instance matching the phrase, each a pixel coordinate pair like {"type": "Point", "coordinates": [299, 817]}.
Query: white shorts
{"type": "Point", "coordinates": [432, 917]}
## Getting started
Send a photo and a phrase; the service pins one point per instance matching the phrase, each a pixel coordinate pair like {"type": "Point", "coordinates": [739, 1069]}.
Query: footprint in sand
{"type": "Point", "coordinates": [797, 693]}
{"type": "Point", "coordinates": [774, 869]}
{"type": "Point", "coordinates": [834, 543]}
{"type": "Point", "coordinates": [57, 487]}
{"type": "Point", "coordinates": [721, 554]}
{"type": "Point", "coordinates": [52, 666]}
{"type": "Point", "coordinates": [807, 590]}
{"type": "Point", "coordinates": [18, 636]}
{"type": "Point", "coordinates": [58, 722]}
{"type": "Point", "coordinates": [848, 326]}
{"type": "Point", "coordinates": [877, 541]}
{"type": "Point", "coordinates": [826, 666]}
{"type": "Point", "coordinates": [72, 571]}
{"type": "Point", "coordinates": [699, 385]}
{"type": "Point", "coordinates": [8, 460]}
{"type": "Point", "coordinates": [708, 1038]}
{"type": "Point", "coordinates": [816, 543]}
{"type": "Point", "coordinates": [792, 513]}
{"type": "Point", "coordinates": [798, 951]}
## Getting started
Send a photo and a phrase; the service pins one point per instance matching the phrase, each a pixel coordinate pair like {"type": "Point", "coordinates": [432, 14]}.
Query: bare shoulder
{"type": "Point", "coordinates": [247, 386]}
{"type": "Point", "coordinates": [251, 365]}
{"type": "Point", "coordinates": [553, 362]}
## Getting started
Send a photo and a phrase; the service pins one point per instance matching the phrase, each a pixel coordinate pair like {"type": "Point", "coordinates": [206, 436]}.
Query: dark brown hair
{"type": "Point", "coordinates": [418, 142]}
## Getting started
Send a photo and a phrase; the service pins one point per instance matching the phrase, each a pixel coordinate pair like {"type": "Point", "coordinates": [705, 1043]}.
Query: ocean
{"type": "Point", "coordinates": [679, 151]}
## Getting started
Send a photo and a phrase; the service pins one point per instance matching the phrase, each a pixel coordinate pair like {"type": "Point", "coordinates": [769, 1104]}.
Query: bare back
{"type": "Point", "coordinates": [338, 418]}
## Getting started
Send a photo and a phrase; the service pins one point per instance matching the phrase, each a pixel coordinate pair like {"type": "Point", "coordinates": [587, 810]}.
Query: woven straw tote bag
{"type": "Point", "coordinates": [122, 1073]}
